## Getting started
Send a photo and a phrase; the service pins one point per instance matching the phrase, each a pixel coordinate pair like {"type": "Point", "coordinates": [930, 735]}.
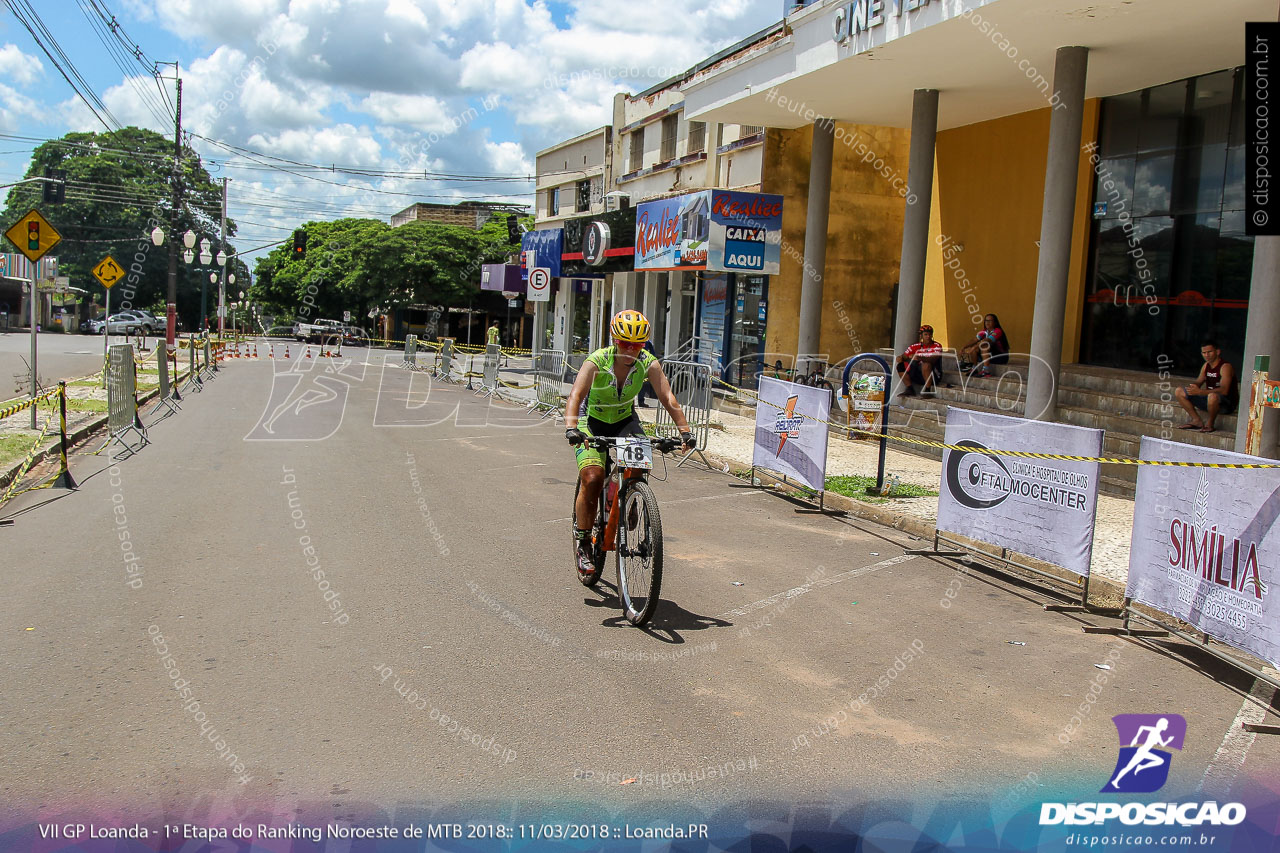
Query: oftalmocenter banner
{"type": "Point", "coordinates": [1043, 508]}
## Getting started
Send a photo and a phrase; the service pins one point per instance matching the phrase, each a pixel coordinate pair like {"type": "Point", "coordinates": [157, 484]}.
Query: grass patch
{"type": "Point", "coordinates": [74, 405]}
{"type": "Point", "coordinates": [856, 485]}
{"type": "Point", "coordinates": [14, 448]}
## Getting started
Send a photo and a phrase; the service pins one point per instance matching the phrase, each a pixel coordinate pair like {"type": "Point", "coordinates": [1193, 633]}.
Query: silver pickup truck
{"type": "Point", "coordinates": [318, 332]}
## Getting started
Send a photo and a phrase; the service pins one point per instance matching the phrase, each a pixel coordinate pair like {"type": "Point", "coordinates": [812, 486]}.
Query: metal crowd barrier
{"type": "Point", "coordinates": [691, 385]}
{"type": "Point", "coordinates": [168, 395]}
{"type": "Point", "coordinates": [548, 377]}
{"type": "Point", "coordinates": [445, 364]}
{"type": "Point", "coordinates": [122, 398]}
{"type": "Point", "coordinates": [489, 379]}
{"type": "Point", "coordinates": [411, 351]}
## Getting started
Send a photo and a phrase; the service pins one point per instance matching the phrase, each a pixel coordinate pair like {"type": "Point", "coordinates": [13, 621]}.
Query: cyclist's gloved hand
{"type": "Point", "coordinates": [575, 436]}
{"type": "Point", "coordinates": [687, 439]}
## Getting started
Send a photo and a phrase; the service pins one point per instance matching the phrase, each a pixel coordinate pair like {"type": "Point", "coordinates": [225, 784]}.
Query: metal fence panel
{"type": "Point", "coordinates": [548, 378]}
{"type": "Point", "coordinates": [162, 364]}
{"type": "Point", "coordinates": [122, 402]}
{"type": "Point", "coordinates": [691, 384]}
{"type": "Point", "coordinates": [411, 351]}
{"type": "Point", "coordinates": [492, 352]}
{"type": "Point", "coordinates": [446, 357]}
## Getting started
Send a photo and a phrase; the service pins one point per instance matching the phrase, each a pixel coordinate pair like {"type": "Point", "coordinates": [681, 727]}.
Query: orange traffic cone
{"type": "Point", "coordinates": [271, 350]}
{"type": "Point", "coordinates": [286, 350]}
{"type": "Point", "coordinates": [308, 352]}
{"type": "Point", "coordinates": [255, 350]}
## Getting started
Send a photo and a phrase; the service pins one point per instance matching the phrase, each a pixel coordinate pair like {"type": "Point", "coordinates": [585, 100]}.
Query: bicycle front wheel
{"type": "Point", "coordinates": [639, 552]}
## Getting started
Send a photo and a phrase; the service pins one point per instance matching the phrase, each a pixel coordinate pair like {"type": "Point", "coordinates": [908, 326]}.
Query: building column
{"type": "Point", "coordinates": [562, 336]}
{"type": "Point", "coordinates": [598, 322]}
{"type": "Point", "coordinates": [675, 317]}
{"type": "Point", "coordinates": [1261, 337]}
{"type": "Point", "coordinates": [815, 237]}
{"type": "Point", "coordinates": [655, 292]}
{"type": "Point", "coordinates": [915, 220]}
{"type": "Point", "coordinates": [1056, 221]}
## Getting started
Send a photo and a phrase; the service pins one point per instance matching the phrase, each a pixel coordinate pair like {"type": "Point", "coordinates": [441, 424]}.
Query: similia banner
{"type": "Point", "coordinates": [1043, 508]}
{"type": "Point", "coordinates": [1203, 548]}
{"type": "Point", "coordinates": [791, 434]}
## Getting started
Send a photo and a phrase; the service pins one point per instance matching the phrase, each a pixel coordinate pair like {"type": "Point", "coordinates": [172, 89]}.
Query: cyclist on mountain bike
{"type": "Point", "coordinates": [605, 393]}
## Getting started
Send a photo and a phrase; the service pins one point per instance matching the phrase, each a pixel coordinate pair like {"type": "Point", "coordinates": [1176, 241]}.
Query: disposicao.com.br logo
{"type": "Point", "coordinates": [1142, 767]}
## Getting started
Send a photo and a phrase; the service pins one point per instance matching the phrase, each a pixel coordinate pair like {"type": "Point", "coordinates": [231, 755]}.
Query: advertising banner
{"type": "Point", "coordinates": [1044, 508]}
{"type": "Point", "coordinates": [746, 232]}
{"type": "Point", "coordinates": [787, 440]}
{"type": "Point", "coordinates": [546, 245]}
{"type": "Point", "coordinates": [1203, 546]}
{"type": "Point", "coordinates": [714, 230]}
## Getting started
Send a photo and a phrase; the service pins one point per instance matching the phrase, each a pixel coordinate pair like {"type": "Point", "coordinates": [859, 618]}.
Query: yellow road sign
{"type": "Point", "coordinates": [33, 235]}
{"type": "Point", "coordinates": [108, 271]}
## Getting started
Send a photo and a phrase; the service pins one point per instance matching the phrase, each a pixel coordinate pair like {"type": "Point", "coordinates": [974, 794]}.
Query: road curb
{"type": "Point", "coordinates": [74, 439]}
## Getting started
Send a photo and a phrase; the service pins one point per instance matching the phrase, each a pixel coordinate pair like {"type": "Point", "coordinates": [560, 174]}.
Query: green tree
{"type": "Point", "coordinates": [361, 264]}
{"type": "Point", "coordinates": [118, 190]}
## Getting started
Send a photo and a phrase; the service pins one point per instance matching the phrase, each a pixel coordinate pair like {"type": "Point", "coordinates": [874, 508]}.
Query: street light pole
{"type": "Point", "coordinates": [171, 309]}
{"type": "Point", "coordinates": [222, 285]}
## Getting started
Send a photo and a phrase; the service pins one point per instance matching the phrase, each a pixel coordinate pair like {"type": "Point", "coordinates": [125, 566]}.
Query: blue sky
{"type": "Point", "coordinates": [376, 84]}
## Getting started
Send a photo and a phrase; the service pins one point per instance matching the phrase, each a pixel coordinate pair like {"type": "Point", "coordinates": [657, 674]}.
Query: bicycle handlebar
{"type": "Point", "coordinates": [665, 445]}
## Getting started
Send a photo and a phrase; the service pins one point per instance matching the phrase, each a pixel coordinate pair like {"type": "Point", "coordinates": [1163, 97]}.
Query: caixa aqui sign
{"type": "Point", "coordinates": [713, 230]}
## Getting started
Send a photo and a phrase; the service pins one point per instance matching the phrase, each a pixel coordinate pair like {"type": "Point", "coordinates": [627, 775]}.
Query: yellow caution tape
{"type": "Point", "coordinates": [1023, 454]}
{"type": "Point", "coordinates": [26, 404]}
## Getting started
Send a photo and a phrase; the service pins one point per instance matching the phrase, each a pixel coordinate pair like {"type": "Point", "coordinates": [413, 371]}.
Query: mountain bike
{"type": "Point", "coordinates": [637, 540]}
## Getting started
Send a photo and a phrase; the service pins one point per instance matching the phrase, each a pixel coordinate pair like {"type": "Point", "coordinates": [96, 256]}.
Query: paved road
{"type": "Point", "coordinates": [58, 357]}
{"type": "Point", "coordinates": [440, 523]}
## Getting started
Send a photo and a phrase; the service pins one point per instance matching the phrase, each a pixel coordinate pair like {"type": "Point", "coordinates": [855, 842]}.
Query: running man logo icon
{"type": "Point", "coordinates": [1143, 764]}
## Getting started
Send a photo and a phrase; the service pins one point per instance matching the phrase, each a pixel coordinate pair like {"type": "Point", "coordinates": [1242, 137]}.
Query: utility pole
{"type": "Point", "coordinates": [172, 307]}
{"type": "Point", "coordinates": [222, 284]}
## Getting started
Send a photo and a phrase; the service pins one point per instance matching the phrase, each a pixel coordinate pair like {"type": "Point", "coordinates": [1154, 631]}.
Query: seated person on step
{"type": "Point", "coordinates": [1214, 390]}
{"type": "Point", "coordinates": [990, 346]}
{"type": "Point", "coordinates": [921, 364]}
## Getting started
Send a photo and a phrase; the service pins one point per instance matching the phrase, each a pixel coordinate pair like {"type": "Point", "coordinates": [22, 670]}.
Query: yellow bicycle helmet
{"type": "Point", "coordinates": [630, 326]}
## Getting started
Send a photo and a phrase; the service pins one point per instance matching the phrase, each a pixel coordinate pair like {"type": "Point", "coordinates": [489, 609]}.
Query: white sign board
{"type": "Point", "coordinates": [1204, 545]}
{"type": "Point", "coordinates": [791, 434]}
{"type": "Point", "coordinates": [1043, 508]}
{"type": "Point", "coordinates": [540, 284]}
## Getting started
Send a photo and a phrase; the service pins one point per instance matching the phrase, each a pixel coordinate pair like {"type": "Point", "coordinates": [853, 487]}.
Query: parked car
{"type": "Point", "coordinates": [124, 323]}
{"type": "Point", "coordinates": [318, 332]}
{"type": "Point", "coordinates": [150, 322]}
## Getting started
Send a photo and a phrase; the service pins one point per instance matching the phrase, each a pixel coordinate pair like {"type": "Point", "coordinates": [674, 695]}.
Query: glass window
{"type": "Point", "coordinates": [1209, 122]}
{"type": "Point", "coordinates": [637, 150]}
{"type": "Point", "coordinates": [1121, 116]}
{"type": "Point", "coordinates": [1233, 185]}
{"type": "Point", "coordinates": [1162, 116]}
{"type": "Point", "coordinates": [697, 136]}
{"type": "Point", "coordinates": [1235, 257]}
{"type": "Point", "coordinates": [1202, 170]}
{"type": "Point", "coordinates": [670, 125]}
{"type": "Point", "coordinates": [1195, 252]}
{"type": "Point", "coordinates": [584, 196]}
{"type": "Point", "coordinates": [553, 202]}
{"type": "Point", "coordinates": [1153, 185]}
{"type": "Point", "coordinates": [1119, 196]}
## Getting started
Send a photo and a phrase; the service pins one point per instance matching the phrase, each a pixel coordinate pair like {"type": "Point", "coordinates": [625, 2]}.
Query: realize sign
{"type": "Point", "coordinates": [108, 272]}
{"type": "Point", "coordinates": [540, 284]}
{"type": "Point", "coordinates": [33, 235]}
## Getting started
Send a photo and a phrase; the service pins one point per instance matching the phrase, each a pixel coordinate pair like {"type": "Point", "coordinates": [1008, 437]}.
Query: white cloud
{"type": "Point", "coordinates": [507, 158]}
{"type": "Point", "coordinates": [418, 111]}
{"type": "Point", "coordinates": [338, 144]}
{"type": "Point", "coordinates": [19, 66]}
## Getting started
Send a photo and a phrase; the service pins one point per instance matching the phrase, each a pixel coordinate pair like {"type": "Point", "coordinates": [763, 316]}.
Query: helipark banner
{"type": "Point", "coordinates": [1204, 548]}
{"type": "Point", "coordinates": [711, 230]}
{"type": "Point", "coordinates": [787, 440]}
{"type": "Point", "coordinates": [1044, 508]}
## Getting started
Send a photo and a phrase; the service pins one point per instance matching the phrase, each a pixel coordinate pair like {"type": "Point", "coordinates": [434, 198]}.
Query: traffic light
{"type": "Point", "coordinates": [300, 244]}
{"type": "Point", "coordinates": [513, 228]}
{"type": "Point", "coordinates": [55, 186]}
{"type": "Point", "coordinates": [33, 236]}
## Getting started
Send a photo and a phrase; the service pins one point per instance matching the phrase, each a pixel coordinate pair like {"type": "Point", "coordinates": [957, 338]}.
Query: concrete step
{"type": "Point", "coordinates": [1153, 410]}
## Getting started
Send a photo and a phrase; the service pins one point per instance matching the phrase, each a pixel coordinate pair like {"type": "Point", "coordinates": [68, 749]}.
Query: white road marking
{"type": "Point", "coordinates": [1221, 773]}
{"type": "Point", "coordinates": [812, 585]}
{"type": "Point", "coordinates": [509, 467]}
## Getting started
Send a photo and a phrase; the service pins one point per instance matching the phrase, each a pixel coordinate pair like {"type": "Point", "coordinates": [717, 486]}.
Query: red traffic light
{"type": "Point", "coordinates": [33, 236]}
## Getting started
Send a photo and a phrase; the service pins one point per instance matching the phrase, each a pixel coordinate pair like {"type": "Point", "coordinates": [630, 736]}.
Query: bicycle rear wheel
{"type": "Point", "coordinates": [597, 534]}
{"type": "Point", "coordinates": [639, 552]}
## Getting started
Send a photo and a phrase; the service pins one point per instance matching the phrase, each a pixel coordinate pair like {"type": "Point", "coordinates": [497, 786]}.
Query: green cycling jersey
{"type": "Point", "coordinates": [607, 401]}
